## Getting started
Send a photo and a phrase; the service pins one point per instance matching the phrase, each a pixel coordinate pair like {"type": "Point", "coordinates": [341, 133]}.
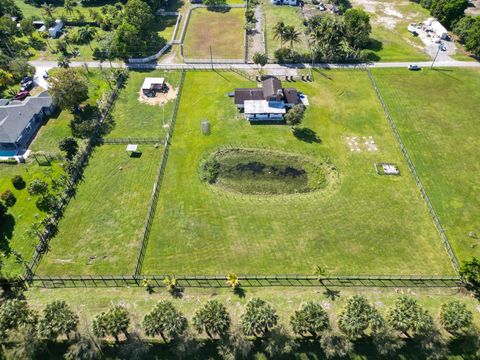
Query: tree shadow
{"type": "Point", "coordinates": [240, 292]}
{"type": "Point", "coordinates": [7, 224]}
{"type": "Point", "coordinates": [375, 45]}
{"type": "Point", "coordinates": [306, 135]}
{"type": "Point", "coordinates": [331, 294]}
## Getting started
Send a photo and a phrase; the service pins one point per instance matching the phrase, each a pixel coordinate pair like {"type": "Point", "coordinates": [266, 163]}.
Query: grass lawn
{"type": "Point", "coordinates": [291, 16]}
{"type": "Point", "coordinates": [135, 119]}
{"type": "Point", "coordinates": [436, 113]}
{"type": "Point", "coordinates": [222, 32]}
{"type": "Point", "coordinates": [100, 232]}
{"type": "Point", "coordinates": [15, 230]}
{"type": "Point", "coordinates": [368, 224]}
{"type": "Point", "coordinates": [29, 9]}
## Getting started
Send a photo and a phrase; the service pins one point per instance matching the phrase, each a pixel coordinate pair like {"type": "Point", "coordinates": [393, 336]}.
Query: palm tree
{"type": "Point", "coordinates": [68, 6]}
{"type": "Point", "coordinates": [63, 61]}
{"type": "Point", "coordinates": [171, 284]}
{"type": "Point", "coordinates": [212, 318]}
{"type": "Point", "coordinates": [48, 10]}
{"type": "Point", "coordinates": [232, 280]}
{"type": "Point", "coordinates": [86, 34]}
{"type": "Point", "coordinates": [279, 32]}
{"type": "Point", "coordinates": [291, 35]}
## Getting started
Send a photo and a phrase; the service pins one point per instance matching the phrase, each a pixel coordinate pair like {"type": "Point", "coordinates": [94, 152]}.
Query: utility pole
{"type": "Point", "coordinates": [435, 58]}
{"type": "Point", "coordinates": [211, 57]}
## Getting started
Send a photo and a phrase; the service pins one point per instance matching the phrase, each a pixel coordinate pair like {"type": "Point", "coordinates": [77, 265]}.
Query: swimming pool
{"type": "Point", "coordinates": [8, 153]}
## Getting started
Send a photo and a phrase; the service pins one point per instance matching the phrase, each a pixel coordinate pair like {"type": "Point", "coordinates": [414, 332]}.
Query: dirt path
{"type": "Point", "coordinates": [256, 41]}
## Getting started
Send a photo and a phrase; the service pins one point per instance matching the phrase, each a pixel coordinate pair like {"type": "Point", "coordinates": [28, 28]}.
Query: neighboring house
{"type": "Point", "coordinates": [152, 85]}
{"type": "Point", "coordinates": [286, 2]}
{"type": "Point", "coordinates": [56, 29]}
{"type": "Point", "coordinates": [270, 102]}
{"type": "Point", "coordinates": [20, 120]}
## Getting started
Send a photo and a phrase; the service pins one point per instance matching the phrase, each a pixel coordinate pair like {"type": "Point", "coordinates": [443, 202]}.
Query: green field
{"type": "Point", "coordinates": [290, 15]}
{"type": "Point", "coordinates": [101, 230]}
{"type": "Point", "coordinates": [136, 119]}
{"type": "Point", "coordinates": [436, 113]}
{"type": "Point", "coordinates": [216, 34]}
{"type": "Point", "coordinates": [367, 224]}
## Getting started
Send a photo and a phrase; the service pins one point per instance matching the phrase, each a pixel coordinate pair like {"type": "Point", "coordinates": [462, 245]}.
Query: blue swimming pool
{"type": "Point", "coordinates": [7, 153]}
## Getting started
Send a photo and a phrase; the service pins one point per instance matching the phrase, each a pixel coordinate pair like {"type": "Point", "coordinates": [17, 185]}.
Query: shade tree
{"type": "Point", "coordinates": [58, 319]}
{"type": "Point", "coordinates": [114, 322]}
{"type": "Point", "coordinates": [310, 320]}
{"type": "Point", "coordinates": [455, 317]}
{"type": "Point", "coordinates": [409, 318]}
{"type": "Point", "coordinates": [358, 316]}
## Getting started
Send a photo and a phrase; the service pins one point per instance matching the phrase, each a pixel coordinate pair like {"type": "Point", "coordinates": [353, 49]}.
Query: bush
{"type": "Point", "coordinates": [210, 171]}
{"type": "Point", "coordinates": [18, 182]}
{"type": "Point", "coordinates": [9, 198]}
{"type": "Point", "coordinates": [3, 209]}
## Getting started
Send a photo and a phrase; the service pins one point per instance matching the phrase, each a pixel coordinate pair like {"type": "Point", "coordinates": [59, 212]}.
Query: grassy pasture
{"type": "Point", "coordinates": [222, 32]}
{"type": "Point", "coordinates": [135, 119]}
{"type": "Point", "coordinates": [436, 112]}
{"type": "Point", "coordinates": [367, 224]}
{"type": "Point", "coordinates": [100, 232]}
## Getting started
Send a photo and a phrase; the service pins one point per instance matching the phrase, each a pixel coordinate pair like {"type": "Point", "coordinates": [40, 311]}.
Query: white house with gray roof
{"type": "Point", "coordinates": [20, 120]}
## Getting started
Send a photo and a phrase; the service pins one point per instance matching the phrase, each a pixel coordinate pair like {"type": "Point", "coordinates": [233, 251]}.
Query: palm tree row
{"type": "Point", "coordinates": [405, 321]}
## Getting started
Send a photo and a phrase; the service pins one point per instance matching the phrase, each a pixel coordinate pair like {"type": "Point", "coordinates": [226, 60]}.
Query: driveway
{"type": "Point", "coordinates": [38, 77]}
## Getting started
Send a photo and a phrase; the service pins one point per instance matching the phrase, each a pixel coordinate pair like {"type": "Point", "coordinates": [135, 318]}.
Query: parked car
{"type": "Point", "coordinates": [414, 67]}
{"type": "Point", "coordinates": [443, 47]}
{"type": "Point", "coordinates": [25, 80]}
{"type": "Point", "coordinates": [322, 7]}
{"type": "Point", "coordinates": [26, 86]}
{"type": "Point", "coordinates": [45, 76]}
{"type": "Point", "coordinates": [21, 95]}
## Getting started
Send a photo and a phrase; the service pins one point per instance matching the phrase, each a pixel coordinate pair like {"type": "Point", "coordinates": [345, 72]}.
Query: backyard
{"type": "Point", "coordinates": [101, 230]}
{"type": "Point", "coordinates": [365, 224]}
{"type": "Point", "coordinates": [134, 118]}
{"type": "Point", "coordinates": [216, 34]}
{"type": "Point", "coordinates": [439, 129]}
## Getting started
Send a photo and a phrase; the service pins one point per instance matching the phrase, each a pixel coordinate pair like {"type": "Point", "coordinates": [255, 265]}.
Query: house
{"type": "Point", "coordinates": [270, 102]}
{"type": "Point", "coordinates": [286, 2]}
{"type": "Point", "coordinates": [151, 85]}
{"type": "Point", "coordinates": [20, 120]}
{"type": "Point", "coordinates": [56, 29]}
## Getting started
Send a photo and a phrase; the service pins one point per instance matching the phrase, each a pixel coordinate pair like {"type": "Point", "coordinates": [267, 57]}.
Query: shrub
{"type": "Point", "coordinates": [455, 317]}
{"type": "Point", "coordinates": [3, 209]}
{"type": "Point", "coordinates": [210, 171]}
{"type": "Point", "coordinates": [9, 198]}
{"type": "Point", "coordinates": [18, 182]}
{"type": "Point", "coordinates": [295, 115]}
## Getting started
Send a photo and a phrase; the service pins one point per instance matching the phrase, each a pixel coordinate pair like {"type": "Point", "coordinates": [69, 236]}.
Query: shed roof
{"type": "Point", "coordinates": [291, 96]}
{"type": "Point", "coordinates": [15, 117]}
{"type": "Point", "coordinates": [150, 81]}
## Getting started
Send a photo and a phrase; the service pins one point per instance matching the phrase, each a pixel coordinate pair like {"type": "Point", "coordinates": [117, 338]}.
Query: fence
{"type": "Point", "coordinates": [165, 48]}
{"type": "Point", "coordinates": [157, 184]}
{"type": "Point", "coordinates": [425, 197]}
{"type": "Point", "coordinates": [82, 160]}
{"type": "Point", "coordinates": [133, 141]}
{"type": "Point", "coordinates": [219, 281]}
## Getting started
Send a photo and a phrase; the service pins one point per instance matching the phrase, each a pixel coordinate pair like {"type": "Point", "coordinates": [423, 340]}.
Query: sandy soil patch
{"type": "Point", "coordinates": [160, 98]}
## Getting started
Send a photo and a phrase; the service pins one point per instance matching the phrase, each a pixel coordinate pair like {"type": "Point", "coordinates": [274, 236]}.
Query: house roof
{"type": "Point", "coordinates": [248, 94]}
{"type": "Point", "coordinates": [271, 86]}
{"type": "Point", "coordinates": [150, 81]}
{"type": "Point", "coordinates": [15, 117]}
{"type": "Point", "coordinates": [291, 96]}
{"type": "Point", "coordinates": [264, 107]}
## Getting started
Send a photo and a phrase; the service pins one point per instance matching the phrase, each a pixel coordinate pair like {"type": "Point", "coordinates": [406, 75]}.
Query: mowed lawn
{"type": "Point", "coordinates": [370, 224]}
{"type": "Point", "coordinates": [437, 113]}
{"type": "Point", "coordinates": [222, 33]}
{"type": "Point", "coordinates": [101, 229]}
{"type": "Point", "coordinates": [16, 233]}
{"type": "Point", "coordinates": [290, 15]}
{"type": "Point", "coordinates": [134, 119]}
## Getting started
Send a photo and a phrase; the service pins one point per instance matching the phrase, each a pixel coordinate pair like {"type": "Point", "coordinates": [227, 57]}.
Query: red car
{"type": "Point", "coordinates": [21, 95]}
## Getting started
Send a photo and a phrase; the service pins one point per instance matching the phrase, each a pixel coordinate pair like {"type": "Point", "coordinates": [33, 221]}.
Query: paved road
{"type": "Point", "coordinates": [463, 64]}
